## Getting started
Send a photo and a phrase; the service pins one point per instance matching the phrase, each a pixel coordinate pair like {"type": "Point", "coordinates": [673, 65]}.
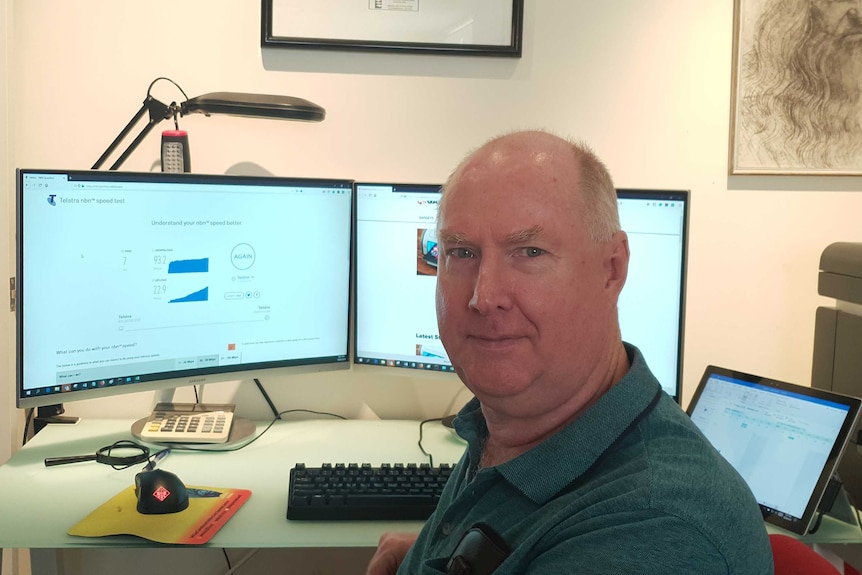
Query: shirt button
{"type": "Point", "coordinates": [446, 529]}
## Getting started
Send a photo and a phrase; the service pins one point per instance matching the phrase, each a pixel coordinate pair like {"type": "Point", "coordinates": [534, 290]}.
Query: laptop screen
{"type": "Point", "coordinates": [785, 440]}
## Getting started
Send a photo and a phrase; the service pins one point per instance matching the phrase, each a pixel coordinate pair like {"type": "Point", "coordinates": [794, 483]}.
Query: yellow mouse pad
{"type": "Point", "coordinates": [194, 525]}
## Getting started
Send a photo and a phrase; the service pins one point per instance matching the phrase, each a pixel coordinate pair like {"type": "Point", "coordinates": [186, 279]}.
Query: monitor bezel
{"type": "Point", "coordinates": [191, 377]}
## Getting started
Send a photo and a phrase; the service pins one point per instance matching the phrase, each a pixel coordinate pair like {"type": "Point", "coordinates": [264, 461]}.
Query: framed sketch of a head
{"type": "Point", "coordinates": [797, 87]}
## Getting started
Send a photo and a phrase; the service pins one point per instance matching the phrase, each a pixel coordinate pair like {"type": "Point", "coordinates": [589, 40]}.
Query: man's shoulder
{"type": "Point", "coordinates": [688, 479]}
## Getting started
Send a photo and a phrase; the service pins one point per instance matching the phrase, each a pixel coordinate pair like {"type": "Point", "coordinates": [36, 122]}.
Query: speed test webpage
{"type": "Point", "coordinates": [125, 279]}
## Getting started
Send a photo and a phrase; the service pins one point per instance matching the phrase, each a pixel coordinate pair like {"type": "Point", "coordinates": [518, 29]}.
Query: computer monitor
{"type": "Point", "coordinates": [130, 282]}
{"type": "Point", "coordinates": [396, 264]}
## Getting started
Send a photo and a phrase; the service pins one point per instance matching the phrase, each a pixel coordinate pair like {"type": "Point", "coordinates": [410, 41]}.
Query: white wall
{"type": "Point", "coordinates": [646, 83]}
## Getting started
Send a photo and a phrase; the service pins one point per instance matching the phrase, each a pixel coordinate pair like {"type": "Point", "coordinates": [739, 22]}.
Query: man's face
{"type": "Point", "coordinates": [835, 47]}
{"type": "Point", "coordinates": [526, 301]}
{"type": "Point", "coordinates": [840, 19]}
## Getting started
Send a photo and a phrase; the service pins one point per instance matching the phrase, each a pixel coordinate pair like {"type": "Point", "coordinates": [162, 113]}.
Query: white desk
{"type": "Point", "coordinates": [38, 504]}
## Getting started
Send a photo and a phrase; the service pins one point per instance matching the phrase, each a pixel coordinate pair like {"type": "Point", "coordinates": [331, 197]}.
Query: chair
{"type": "Point", "coordinates": [793, 557]}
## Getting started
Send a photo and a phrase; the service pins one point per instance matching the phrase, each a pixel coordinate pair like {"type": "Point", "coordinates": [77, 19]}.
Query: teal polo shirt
{"type": "Point", "coordinates": [631, 486]}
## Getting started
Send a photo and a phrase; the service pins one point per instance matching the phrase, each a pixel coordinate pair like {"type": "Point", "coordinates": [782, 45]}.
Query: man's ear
{"type": "Point", "coordinates": [616, 262]}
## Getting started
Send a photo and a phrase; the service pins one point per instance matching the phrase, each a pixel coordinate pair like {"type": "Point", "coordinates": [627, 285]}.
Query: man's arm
{"type": "Point", "coordinates": [391, 551]}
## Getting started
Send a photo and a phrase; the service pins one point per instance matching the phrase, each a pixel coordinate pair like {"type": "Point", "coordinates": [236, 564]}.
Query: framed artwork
{"type": "Point", "coordinates": [461, 27]}
{"type": "Point", "coordinates": [796, 99]}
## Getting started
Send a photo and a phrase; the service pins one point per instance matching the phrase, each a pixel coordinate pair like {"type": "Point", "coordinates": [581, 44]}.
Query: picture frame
{"type": "Point", "coordinates": [795, 90]}
{"type": "Point", "coordinates": [456, 27]}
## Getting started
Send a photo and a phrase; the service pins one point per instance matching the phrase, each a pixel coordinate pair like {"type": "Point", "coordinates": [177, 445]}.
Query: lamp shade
{"type": "Point", "coordinates": [229, 103]}
{"type": "Point", "coordinates": [254, 106]}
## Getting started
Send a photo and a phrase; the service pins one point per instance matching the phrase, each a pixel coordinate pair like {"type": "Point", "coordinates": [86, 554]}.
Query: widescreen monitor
{"type": "Point", "coordinates": [396, 267]}
{"type": "Point", "coordinates": [131, 282]}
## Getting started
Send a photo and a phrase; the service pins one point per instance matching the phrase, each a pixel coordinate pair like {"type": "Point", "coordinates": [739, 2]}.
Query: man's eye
{"type": "Point", "coordinates": [532, 252]}
{"type": "Point", "coordinates": [461, 253]}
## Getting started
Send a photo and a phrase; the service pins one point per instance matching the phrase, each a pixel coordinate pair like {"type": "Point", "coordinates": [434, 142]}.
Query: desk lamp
{"type": "Point", "coordinates": [230, 103]}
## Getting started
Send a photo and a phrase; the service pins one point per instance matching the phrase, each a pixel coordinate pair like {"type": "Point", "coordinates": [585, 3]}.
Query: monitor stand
{"type": "Point", "coordinates": [51, 414]}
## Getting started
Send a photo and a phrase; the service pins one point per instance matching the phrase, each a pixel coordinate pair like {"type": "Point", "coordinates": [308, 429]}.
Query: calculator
{"type": "Point", "coordinates": [189, 423]}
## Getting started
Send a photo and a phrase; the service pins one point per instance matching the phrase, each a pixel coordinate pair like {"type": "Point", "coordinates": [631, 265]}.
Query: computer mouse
{"type": "Point", "coordinates": [159, 491]}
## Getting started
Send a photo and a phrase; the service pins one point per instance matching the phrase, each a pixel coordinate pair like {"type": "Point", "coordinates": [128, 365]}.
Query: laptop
{"type": "Point", "coordinates": [785, 440]}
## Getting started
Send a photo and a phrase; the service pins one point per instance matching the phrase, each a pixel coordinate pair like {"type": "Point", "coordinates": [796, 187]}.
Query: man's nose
{"type": "Point", "coordinates": [493, 287]}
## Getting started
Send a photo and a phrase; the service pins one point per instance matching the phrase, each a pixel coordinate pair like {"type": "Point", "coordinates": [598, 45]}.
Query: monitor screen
{"type": "Point", "coordinates": [130, 282]}
{"type": "Point", "coordinates": [396, 266]}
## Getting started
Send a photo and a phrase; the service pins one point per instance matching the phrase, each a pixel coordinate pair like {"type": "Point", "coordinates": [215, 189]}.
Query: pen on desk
{"type": "Point", "coordinates": [154, 460]}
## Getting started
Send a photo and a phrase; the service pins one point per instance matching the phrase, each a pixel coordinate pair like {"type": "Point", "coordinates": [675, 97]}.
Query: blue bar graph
{"type": "Point", "coordinates": [189, 266]}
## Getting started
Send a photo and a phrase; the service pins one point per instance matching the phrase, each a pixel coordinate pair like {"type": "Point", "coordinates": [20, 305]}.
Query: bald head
{"type": "Point", "coordinates": [555, 159]}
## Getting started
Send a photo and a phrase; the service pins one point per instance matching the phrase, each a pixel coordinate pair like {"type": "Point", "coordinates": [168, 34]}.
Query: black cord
{"type": "Point", "coordinates": [227, 559]}
{"type": "Point", "coordinates": [168, 80]}
{"type": "Point", "coordinates": [28, 419]}
{"type": "Point", "coordinates": [266, 397]}
{"type": "Point", "coordinates": [124, 461]}
{"type": "Point", "coordinates": [259, 435]}
{"type": "Point", "coordinates": [421, 425]}
{"type": "Point", "coordinates": [313, 412]}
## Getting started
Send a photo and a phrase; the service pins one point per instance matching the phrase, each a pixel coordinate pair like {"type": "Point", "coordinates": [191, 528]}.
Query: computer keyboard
{"type": "Point", "coordinates": [353, 491]}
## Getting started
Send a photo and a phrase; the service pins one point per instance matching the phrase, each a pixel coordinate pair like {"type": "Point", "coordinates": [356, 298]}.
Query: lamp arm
{"type": "Point", "coordinates": [157, 112]}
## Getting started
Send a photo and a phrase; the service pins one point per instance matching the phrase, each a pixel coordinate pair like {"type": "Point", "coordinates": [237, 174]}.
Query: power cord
{"type": "Point", "coordinates": [267, 428]}
{"type": "Point", "coordinates": [153, 83]}
{"type": "Point", "coordinates": [242, 560]}
{"type": "Point", "coordinates": [421, 426]}
{"type": "Point", "coordinates": [28, 419]}
{"type": "Point", "coordinates": [266, 397]}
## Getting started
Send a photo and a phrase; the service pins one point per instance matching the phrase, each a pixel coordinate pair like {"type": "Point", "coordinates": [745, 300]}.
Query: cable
{"type": "Point", "coordinates": [150, 87]}
{"type": "Point", "coordinates": [266, 397]}
{"type": "Point", "coordinates": [241, 562]}
{"type": "Point", "coordinates": [259, 435]}
{"type": "Point", "coordinates": [27, 420]}
{"type": "Point", "coordinates": [421, 425]}
{"type": "Point", "coordinates": [313, 412]}
{"type": "Point", "coordinates": [227, 559]}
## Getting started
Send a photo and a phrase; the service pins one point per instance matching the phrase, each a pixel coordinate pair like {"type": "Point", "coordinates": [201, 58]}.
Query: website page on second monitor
{"type": "Point", "coordinates": [396, 266]}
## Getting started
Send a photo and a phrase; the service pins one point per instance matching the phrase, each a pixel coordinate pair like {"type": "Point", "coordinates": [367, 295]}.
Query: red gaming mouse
{"type": "Point", "coordinates": [159, 491]}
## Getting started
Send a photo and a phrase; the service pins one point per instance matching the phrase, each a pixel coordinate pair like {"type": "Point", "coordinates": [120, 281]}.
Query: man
{"type": "Point", "coordinates": [576, 459]}
{"type": "Point", "coordinates": [801, 84]}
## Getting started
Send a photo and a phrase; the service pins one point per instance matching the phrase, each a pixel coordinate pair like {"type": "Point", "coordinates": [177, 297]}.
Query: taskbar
{"type": "Point", "coordinates": [406, 364]}
{"type": "Point", "coordinates": [78, 386]}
